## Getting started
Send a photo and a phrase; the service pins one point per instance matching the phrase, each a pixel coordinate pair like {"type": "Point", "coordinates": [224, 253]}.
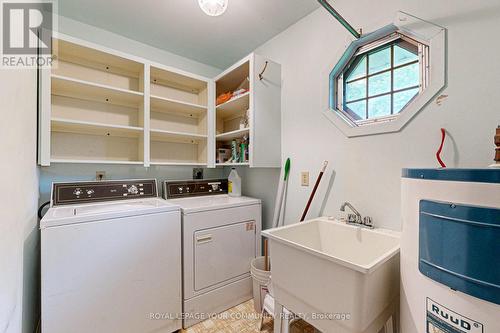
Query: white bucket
{"type": "Point", "coordinates": [260, 279]}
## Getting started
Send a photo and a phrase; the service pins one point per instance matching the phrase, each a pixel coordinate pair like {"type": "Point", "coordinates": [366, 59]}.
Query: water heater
{"type": "Point", "coordinates": [450, 251]}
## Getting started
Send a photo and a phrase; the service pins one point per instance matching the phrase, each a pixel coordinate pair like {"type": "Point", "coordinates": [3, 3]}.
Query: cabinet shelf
{"type": "Point", "coordinates": [173, 136]}
{"type": "Point", "coordinates": [178, 163]}
{"type": "Point", "coordinates": [235, 106]}
{"type": "Point", "coordinates": [237, 76]}
{"type": "Point", "coordinates": [91, 128]}
{"type": "Point", "coordinates": [228, 136]}
{"type": "Point", "coordinates": [80, 89]}
{"type": "Point", "coordinates": [232, 164]}
{"type": "Point", "coordinates": [92, 58]}
{"type": "Point", "coordinates": [177, 80]}
{"type": "Point", "coordinates": [162, 104]}
{"type": "Point", "coordinates": [73, 161]}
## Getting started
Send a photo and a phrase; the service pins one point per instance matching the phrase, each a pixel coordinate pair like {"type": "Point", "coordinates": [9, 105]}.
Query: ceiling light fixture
{"type": "Point", "coordinates": [213, 7]}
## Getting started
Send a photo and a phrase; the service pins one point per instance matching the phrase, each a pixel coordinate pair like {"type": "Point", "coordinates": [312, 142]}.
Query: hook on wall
{"type": "Point", "coordinates": [261, 74]}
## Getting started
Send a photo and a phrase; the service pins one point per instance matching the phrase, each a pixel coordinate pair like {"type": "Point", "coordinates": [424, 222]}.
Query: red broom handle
{"type": "Point", "coordinates": [311, 197]}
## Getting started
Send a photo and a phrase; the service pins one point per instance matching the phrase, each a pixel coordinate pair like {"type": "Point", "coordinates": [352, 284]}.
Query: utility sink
{"type": "Point", "coordinates": [339, 278]}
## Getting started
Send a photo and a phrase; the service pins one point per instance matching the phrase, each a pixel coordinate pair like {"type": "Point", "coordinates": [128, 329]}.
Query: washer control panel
{"type": "Point", "coordinates": [194, 188]}
{"type": "Point", "coordinates": [85, 192]}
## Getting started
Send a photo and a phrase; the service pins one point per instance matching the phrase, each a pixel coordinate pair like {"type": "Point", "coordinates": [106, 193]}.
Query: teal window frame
{"type": "Point", "coordinates": [433, 50]}
{"type": "Point", "coordinates": [392, 67]}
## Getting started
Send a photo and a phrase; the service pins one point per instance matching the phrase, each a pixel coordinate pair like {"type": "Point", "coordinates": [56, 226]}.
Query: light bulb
{"type": "Point", "coordinates": [213, 7]}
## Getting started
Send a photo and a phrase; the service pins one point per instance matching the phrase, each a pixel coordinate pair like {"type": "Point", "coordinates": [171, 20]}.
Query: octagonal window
{"type": "Point", "coordinates": [381, 79]}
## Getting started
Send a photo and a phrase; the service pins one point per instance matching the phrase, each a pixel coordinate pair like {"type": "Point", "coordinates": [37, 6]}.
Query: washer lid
{"type": "Point", "coordinates": [71, 214]}
{"type": "Point", "coordinates": [211, 202]}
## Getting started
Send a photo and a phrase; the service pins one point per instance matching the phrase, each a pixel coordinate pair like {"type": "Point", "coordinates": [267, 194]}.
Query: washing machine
{"type": "Point", "coordinates": [221, 236]}
{"type": "Point", "coordinates": [450, 251]}
{"type": "Point", "coordinates": [110, 259]}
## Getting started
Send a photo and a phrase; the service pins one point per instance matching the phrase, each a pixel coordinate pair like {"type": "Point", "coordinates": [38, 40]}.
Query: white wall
{"type": "Point", "coordinates": [18, 198]}
{"type": "Point", "coordinates": [367, 170]}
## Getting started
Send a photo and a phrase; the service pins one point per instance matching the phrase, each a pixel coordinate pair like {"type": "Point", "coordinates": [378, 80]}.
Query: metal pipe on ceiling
{"type": "Point", "coordinates": [339, 18]}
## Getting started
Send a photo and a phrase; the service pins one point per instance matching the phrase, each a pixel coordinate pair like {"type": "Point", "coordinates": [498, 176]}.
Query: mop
{"type": "Point", "coordinates": [280, 195]}
{"type": "Point", "coordinates": [278, 219]}
{"type": "Point", "coordinates": [279, 206]}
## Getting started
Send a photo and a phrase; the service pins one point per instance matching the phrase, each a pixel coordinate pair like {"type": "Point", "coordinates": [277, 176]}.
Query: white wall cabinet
{"type": "Point", "coordinates": [97, 105]}
{"type": "Point", "coordinates": [259, 79]}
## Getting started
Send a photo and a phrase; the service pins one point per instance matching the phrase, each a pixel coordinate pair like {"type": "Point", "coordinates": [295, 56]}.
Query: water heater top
{"type": "Point", "coordinates": [458, 175]}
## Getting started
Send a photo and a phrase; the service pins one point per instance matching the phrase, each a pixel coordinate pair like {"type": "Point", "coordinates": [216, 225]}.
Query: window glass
{"type": "Point", "coordinates": [379, 84]}
{"type": "Point", "coordinates": [404, 53]}
{"type": "Point", "coordinates": [407, 76]}
{"type": "Point", "coordinates": [402, 98]}
{"type": "Point", "coordinates": [358, 108]}
{"type": "Point", "coordinates": [358, 71]}
{"type": "Point", "coordinates": [379, 60]}
{"type": "Point", "coordinates": [379, 106]}
{"type": "Point", "coordinates": [355, 90]}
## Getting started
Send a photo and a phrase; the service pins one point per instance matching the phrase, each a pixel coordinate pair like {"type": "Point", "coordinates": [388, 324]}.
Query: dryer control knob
{"type": "Point", "coordinates": [133, 189]}
{"type": "Point", "coordinates": [77, 192]}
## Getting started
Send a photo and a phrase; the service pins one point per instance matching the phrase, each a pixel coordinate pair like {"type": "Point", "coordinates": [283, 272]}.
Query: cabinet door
{"type": "Point", "coordinates": [265, 103]}
{"type": "Point", "coordinates": [223, 253]}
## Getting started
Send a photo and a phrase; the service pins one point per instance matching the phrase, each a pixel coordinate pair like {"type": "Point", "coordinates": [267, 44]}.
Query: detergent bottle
{"type": "Point", "coordinates": [234, 184]}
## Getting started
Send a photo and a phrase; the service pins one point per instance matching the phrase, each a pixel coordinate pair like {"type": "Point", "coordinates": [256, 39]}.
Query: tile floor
{"type": "Point", "coordinates": [243, 319]}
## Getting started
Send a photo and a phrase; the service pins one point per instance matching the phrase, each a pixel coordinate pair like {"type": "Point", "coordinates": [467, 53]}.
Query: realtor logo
{"type": "Point", "coordinates": [27, 33]}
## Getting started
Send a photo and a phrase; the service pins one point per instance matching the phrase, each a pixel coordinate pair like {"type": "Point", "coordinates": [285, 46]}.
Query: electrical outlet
{"type": "Point", "coordinates": [304, 178]}
{"type": "Point", "coordinates": [100, 175]}
{"type": "Point", "coordinates": [197, 173]}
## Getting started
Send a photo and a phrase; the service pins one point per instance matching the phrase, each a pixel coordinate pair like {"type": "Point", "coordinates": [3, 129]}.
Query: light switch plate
{"type": "Point", "coordinates": [304, 178]}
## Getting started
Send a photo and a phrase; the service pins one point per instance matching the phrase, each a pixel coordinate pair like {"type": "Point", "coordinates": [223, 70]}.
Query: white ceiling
{"type": "Point", "coordinates": [180, 26]}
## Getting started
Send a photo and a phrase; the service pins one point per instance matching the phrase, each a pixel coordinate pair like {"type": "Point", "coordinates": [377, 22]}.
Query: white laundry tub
{"type": "Point", "coordinates": [339, 278]}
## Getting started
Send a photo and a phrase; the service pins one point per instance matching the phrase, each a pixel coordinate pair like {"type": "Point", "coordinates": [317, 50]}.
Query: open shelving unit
{"type": "Point", "coordinates": [232, 116]}
{"type": "Point", "coordinates": [179, 116]}
{"type": "Point", "coordinates": [252, 117]}
{"type": "Point", "coordinates": [99, 105]}
{"type": "Point", "coordinates": [96, 106]}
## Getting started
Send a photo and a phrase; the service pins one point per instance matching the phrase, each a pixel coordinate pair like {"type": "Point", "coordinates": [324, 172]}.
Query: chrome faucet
{"type": "Point", "coordinates": [356, 218]}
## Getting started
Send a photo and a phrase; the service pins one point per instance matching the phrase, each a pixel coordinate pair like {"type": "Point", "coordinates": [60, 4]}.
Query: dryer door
{"type": "Point", "coordinates": [223, 253]}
